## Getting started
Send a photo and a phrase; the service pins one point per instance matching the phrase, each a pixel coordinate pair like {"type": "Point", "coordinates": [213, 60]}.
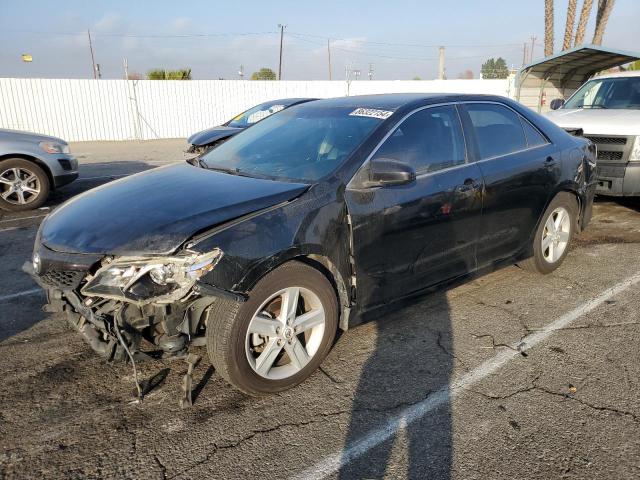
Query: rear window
{"type": "Point", "coordinates": [498, 129]}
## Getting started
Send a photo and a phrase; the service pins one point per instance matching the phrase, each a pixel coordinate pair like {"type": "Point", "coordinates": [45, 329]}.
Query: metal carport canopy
{"type": "Point", "coordinates": [571, 68]}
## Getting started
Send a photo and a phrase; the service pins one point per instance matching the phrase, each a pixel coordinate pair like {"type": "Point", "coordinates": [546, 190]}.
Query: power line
{"type": "Point", "coordinates": [238, 34]}
{"type": "Point", "coordinates": [142, 35]}
{"type": "Point", "coordinates": [382, 55]}
{"type": "Point", "coordinates": [417, 45]}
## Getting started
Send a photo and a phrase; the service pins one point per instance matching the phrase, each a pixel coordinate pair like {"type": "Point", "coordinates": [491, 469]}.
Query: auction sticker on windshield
{"type": "Point", "coordinates": [371, 112]}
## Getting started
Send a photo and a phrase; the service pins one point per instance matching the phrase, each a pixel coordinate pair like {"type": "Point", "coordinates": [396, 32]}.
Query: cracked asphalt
{"type": "Point", "coordinates": [568, 407]}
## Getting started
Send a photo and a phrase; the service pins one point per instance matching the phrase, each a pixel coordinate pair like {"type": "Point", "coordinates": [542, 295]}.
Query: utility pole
{"type": "Point", "coordinates": [241, 72]}
{"type": "Point", "coordinates": [524, 54]}
{"type": "Point", "coordinates": [125, 65]}
{"type": "Point", "coordinates": [533, 44]}
{"type": "Point", "coordinates": [281, 27]}
{"type": "Point", "coordinates": [370, 71]}
{"type": "Point", "coordinates": [329, 55]}
{"type": "Point", "coordinates": [441, 63]}
{"type": "Point", "coordinates": [93, 60]}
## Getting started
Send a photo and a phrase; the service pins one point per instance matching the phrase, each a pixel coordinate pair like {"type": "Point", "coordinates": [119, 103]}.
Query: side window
{"type": "Point", "coordinates": [429, 140]}
{"type": "Point", "coordinates": [498, 129]}
{"type": "Point", "coordinates": [534, 137]}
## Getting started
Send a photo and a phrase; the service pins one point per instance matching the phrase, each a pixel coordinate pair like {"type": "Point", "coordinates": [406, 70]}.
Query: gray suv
{"type": "Point", "coordinates": [607, 110]}
{"type": "Point", "coordinates": [31, 165]}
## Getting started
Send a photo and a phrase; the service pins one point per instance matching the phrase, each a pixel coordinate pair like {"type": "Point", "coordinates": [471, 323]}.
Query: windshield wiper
{"type": "Point", "coordinates": [230, 171]}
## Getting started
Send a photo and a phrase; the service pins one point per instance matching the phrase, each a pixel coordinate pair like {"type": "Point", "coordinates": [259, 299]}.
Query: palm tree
{"type": "Point", "coordinates": [548, 27]}
{"type": "Point", "coordinates": [582, 23]}
{"type": "Point", "coordinates": [602, 17]}
{"type": "Point", "coordinates": [568, 29]}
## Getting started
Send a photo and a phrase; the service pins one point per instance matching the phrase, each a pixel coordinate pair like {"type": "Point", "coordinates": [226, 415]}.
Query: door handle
{"type": "Point", "coordinates": [469, 185]}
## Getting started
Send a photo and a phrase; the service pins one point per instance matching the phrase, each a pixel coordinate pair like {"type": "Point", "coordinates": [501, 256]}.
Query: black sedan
{"type": "Point", "coordinates": [296, 227]}
{"type": "Point", "coordinates": [205, 140]}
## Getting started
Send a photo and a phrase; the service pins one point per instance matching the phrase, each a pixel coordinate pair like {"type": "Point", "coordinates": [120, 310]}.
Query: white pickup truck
{"type": "Point", "coordinates": [607, 109]}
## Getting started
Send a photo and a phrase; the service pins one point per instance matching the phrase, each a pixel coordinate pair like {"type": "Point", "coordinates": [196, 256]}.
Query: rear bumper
{"type": "Point", "coordinates": [619, 180]}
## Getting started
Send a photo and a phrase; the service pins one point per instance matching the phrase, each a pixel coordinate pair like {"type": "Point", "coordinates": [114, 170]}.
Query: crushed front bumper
{"type": "Point", "coordinates": [167, 328]}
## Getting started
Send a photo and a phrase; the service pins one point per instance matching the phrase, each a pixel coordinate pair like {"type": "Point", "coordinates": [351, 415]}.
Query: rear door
{"type": "Point", "coordinates": [520, 168]}
{"type": "Point", "coordinates": [408, 237]}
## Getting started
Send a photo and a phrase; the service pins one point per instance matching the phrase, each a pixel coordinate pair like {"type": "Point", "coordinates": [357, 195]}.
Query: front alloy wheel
{"type": "Point", "coordinates": [285, 333]}
{"type": "Point", "coordinates": [23, 185]}
{"type": "Point", "coordinates": [279, 336]}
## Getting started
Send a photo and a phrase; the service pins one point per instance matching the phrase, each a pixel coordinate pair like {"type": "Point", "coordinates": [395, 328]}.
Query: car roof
{"type": "Point", "coordinates": [629, 73]}
{"type": "Point", "coordinates": [395, 101]}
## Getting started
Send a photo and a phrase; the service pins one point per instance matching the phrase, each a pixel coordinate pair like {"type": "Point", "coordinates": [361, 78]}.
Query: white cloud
{"type": "Point", "coordinates": [111, 23]}
{"type": "Point", "coordinates": [181, 24]}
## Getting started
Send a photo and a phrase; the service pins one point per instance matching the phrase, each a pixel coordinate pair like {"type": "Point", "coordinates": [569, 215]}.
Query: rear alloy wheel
{"type": "Point", "coordinates": [23, 185]}
{"type": "Point", "coordinates": [554, 234]}
{"type": "Point", "coordinates": [279, 336]}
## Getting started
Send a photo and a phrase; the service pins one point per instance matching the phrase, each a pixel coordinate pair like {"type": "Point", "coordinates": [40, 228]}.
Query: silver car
{"type": "Point", "coordinates": [31, 165]}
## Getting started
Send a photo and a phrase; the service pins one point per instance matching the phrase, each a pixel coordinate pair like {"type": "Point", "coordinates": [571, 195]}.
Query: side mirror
{"type": "Point", "coordinates": [387, 171]}
{"type": "Point", "coordinates": [556, 103]}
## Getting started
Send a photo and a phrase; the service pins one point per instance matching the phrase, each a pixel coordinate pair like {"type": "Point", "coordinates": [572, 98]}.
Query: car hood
{"type": "Point", "coordinates": [212, 134]}
{"type": "Point", "coordinates": [155, 212]}
{"type": "Point", "coordinates": [6, 134]}
{"type": "Point", "coordinates": [598, 121]}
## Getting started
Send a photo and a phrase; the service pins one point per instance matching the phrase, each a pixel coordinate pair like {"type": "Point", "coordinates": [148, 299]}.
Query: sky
{"type": "Point", "coordinates": [396, 39]}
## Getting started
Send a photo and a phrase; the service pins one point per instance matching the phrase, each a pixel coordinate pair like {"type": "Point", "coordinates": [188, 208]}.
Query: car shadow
{"type": "Point", "coordinates": [412, 360]}
{"type": "Point", "coordinates": [632, 203]}
{"type": "Point", "coordinates": [20, 314]}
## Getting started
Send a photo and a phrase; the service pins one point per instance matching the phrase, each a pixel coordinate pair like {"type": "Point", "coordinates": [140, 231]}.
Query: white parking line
{"type": "Point", "coordinates": [22, 218]}
{"type": "Point", "coordinates": [25, 293]}
{"type": "Point", "coordinates": [334, 462]}
{"type": "Point", "coordinates": [105, 176]}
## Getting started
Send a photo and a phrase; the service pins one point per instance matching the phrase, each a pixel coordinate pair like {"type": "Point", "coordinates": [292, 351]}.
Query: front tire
{"type": "Point", "coordinates": [279, 336]}
{"type": "Point", "coordinates": [553, 236]}
{"type": "Point", "coordinates": [23, 185]}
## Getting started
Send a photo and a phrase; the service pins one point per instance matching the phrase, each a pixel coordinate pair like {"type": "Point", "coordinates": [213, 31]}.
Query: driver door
{"type": "Point", "coordinates": [411, 236]}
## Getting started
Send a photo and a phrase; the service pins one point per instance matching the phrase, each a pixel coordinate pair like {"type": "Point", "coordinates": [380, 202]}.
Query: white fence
{"type": "Point", "coordinates": [82, 110]}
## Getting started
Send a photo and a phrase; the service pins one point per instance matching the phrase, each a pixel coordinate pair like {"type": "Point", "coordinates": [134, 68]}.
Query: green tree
{"type": "Point", "coordinates": [162, 74]}
{"type": "Point", "coordinates": [417, 78]}
{"type": "Point", "coordinates": [264, 74]}
{"type": "Point", "coordinates": [634, 66]}
{"type": "Point", "coordinates": [495, 68]}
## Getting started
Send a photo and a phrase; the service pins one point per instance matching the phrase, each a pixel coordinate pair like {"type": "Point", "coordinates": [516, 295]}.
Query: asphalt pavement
{"type": "Point", "coordinates": [512, 375]}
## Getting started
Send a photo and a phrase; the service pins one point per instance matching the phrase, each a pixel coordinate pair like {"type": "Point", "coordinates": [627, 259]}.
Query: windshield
{"type": "Point", "coordinates": [255, 114]}
{"type": "Point", "coordinates": [303, 143]}
{"type": "Point", "coordinates": [622, 92]}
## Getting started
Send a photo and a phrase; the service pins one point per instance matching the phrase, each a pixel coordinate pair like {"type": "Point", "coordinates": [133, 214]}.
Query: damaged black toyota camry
{"type": "Point", "coordinates": [298, 226]}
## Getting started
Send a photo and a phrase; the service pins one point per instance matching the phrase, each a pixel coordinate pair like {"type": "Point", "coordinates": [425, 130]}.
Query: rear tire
{"type": "Point", "coordinates": [550, 246]}
{"type": "Point", "coordinates": [242, 338]}
{"type": "Point", "coordinates": [31, 181]}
